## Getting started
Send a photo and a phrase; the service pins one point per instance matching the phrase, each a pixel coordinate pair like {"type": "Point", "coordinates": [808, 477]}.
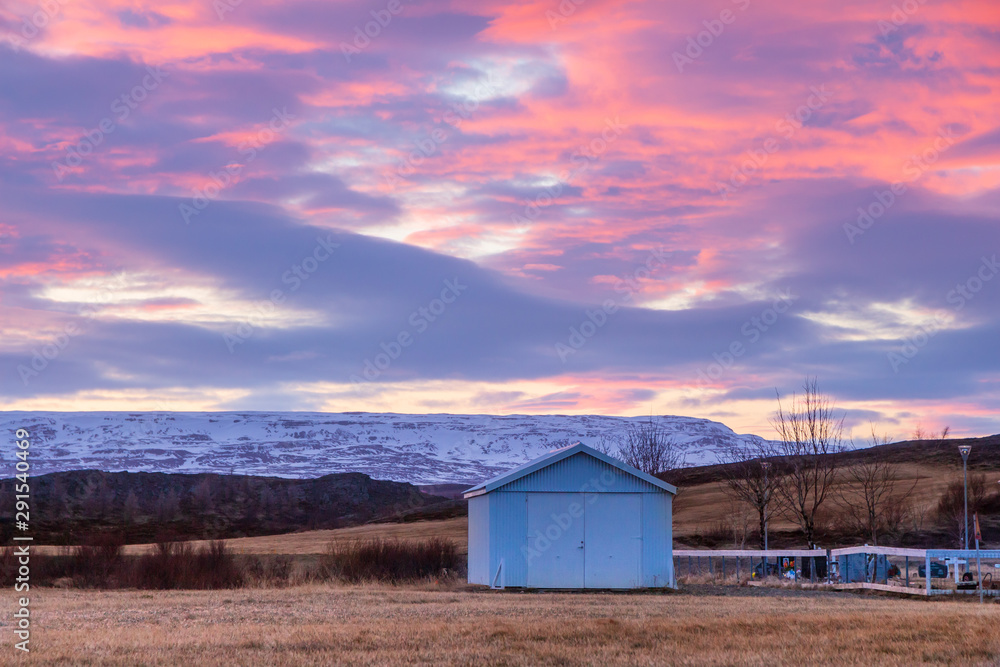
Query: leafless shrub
{"type": "Point", "coordinates": [391, 560]}
{"type": "Point", "coordinates": [266, 570]}
{"type": "Point", "coordinates": [873, 497]}
{"type": "Point", "coordinates": [179, 565]}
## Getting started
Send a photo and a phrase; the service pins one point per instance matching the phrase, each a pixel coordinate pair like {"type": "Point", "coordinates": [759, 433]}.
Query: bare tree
{"type": "Point", "coordinates": [647, 446]}
{"type": "Point", "coordinates": [607, 444]}
{"type": "Point", "coordinates": [919, 433]}
{"type": "Point", "coordinates": [740, 518]}
{"type": "Point", "coordinates": [130, 510]}
{"type": "Point", "coordinates": [945, 432]}
{"type": "Point", "coordinates": [951, 505]}
{"type": "Point", "coordinates": [202, 496]}
{"type": "Point", "coordinates": [872, 496]}
{"type": "Point", "coordinates": [753, 480]}
{"type": "Point", "coordinates": [810, 433]}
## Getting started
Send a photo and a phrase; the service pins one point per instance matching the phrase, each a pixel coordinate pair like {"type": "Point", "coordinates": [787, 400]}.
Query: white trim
{"type": "Point", "coordinates": [554, 457]}
{"type": "Point", "coordinates": [882, 551]}
{"type": "Point", "coordinates": [770, 553]}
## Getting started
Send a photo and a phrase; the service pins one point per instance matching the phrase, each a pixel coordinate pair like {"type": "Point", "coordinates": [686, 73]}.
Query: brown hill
{"type": "Point", "coordinates": [71, 507]}
{"type": "Point", "coordinates": [703, 511]}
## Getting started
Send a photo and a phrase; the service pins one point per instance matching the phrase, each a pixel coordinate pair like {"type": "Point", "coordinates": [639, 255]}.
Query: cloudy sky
{"type": "Point", "coordinates": [502, 207]}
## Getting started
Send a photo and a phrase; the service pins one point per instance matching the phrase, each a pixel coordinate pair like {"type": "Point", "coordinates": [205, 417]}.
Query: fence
{"type": "Point", "coordinates": [878, 568]}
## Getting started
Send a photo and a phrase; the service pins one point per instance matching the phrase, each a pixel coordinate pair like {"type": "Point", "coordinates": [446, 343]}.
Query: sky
{"type": "Point", "coordinates": [534, 207]}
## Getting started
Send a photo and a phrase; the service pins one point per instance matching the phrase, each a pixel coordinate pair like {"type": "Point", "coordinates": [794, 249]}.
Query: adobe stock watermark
{"type": "Point", "coordinates": [222, 179]}
{"type": "Point", "coordinates": [697, 43]}
{"type": "Point", "coordinates": [32, 25]}
{"type": "Point", "coordinates": [561, 522]}
{"type": "Point", "coordinates": [594, 320]}
{"type": "Point", "coordinates": [564, 10]}
{"type": "Point", "coordinates": [420, 320]}
{"type": "Point", "coordinates": [752, 331]}
{"type": "Point", "coordinates": [52, 347]}
{"type": "Point", "coordinates": [582, 159]}
{"type": "Point", "coordinates": [786, 127]}
{"type": "Point", "coordinates": [294, 278]}
{"type": "Point", "coordinates": [122, 107]}
{"type": "Point", "coordinates": [363, 35]}
{"type": "Point", "coordinates": [453, 118]}
{"type": "Point", "coordinates": [958, 298]}
{"type": "Point", "coordinates": [223, 7]}
{"type": "Point", "coordinates": [900, 16]}
{"type": "Point", "coordinates": [915, 166]}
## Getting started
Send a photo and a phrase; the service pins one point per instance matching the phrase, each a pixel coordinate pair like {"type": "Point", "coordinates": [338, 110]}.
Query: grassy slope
{"type": "Point", "coordinates": [930, 464]}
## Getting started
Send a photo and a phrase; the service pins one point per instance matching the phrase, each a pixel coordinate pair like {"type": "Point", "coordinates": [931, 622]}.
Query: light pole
{"type": "Point", "coordinates": [766, 465]}
{"type": "Point", "coordinates": [964, 451]}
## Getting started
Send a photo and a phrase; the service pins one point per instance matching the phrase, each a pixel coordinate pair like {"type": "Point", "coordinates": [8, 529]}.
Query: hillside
{"type": "Point", "coordinates": [703, 512]}
{"type": "Point", "coordinates": [71, 507]}
{"type": "Point", "coordinates": [944, 453]}
{"type": "Point", "coordinates": [420, 449]}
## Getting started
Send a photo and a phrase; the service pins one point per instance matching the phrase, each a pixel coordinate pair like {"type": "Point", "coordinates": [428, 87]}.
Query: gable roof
{"type": "Point", "coordinates": [555, 456]}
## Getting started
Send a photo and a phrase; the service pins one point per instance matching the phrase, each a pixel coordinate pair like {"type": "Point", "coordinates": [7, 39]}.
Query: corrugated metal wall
{"type": "Point", "coordinates": [657, 540]}
{"type": "Point", "coordinates": [581, 473]}
{"type": "Point", "coordinates": [479, 540]}
{"type": "Point", "coordinates": [498, 521]}
{"type": "Point", "coordinates": [508, 536]}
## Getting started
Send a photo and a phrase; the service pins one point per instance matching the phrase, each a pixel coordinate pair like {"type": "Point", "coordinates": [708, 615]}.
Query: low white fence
{"type": "Point", "coordinates": [714, 562]}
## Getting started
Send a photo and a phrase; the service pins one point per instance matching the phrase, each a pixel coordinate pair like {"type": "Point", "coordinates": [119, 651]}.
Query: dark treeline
{"type": "Point", "coordinates": [75, 507]}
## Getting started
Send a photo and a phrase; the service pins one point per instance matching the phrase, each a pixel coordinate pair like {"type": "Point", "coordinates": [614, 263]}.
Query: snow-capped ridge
{"type": "Point", "coordinates": [421, 449]}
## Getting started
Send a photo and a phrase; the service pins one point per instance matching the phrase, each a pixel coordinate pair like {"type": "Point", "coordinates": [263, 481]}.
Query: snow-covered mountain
{"type": "Point", "coordinates": [422, 449]}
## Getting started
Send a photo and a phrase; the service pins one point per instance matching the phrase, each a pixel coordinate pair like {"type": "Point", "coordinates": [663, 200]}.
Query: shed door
{"type": "Point", "coordinates": [614, 540]}
{"type": "Point", "coordinates": [555, 540]}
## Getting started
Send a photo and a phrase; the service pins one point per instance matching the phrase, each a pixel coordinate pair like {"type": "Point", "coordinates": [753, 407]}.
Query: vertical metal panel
{"type": "Point", "coordinates": [657, 540]}
{"type": "Point", "coordinates": [613, 541]}
{"type": "Point", "coordinates": [479, 540]}
{"type": "Point", "coordinates": [556, 539]}
{"type": "Point", "coordinates": [508, 535]}
{"type": "Point", "coordinates": [581, 472]}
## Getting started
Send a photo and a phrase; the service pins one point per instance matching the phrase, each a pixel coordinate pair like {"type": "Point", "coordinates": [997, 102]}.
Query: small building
{"type": "Point", "coordinates": [573, 518]}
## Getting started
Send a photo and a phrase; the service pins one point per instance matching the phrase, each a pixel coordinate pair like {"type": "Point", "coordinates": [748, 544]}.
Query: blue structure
{"type": "Point", "coordinates": [861, 568]}
{"type": "Point", "coordinates": [573, 518]}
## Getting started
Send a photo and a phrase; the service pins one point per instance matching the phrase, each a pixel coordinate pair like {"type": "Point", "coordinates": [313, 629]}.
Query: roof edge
{"type": "Point", "coordinates": [553, 457]}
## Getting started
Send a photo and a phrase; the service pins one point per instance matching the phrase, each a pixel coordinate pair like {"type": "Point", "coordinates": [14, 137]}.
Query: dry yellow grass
{"type": "Point", "coordinates": [430, 625]}
{"type": "Point", "coordinates": [317, 541]}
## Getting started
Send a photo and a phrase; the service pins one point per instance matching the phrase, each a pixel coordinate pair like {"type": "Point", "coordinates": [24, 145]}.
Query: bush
{"type": "Point", "coordinates": [391, 560]}
{"type": "Point", "coordinates": [92, 565]}
{"type": "Point", "coordinates": [179, 565]}
{"type": "Point", "coordinates": [102, 564]}
{"type": "Point", "coordinates": [267, 570]}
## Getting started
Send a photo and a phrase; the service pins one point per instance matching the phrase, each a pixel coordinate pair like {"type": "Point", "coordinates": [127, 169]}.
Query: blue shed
{"type": "Point", "coordinates": [573, 518]}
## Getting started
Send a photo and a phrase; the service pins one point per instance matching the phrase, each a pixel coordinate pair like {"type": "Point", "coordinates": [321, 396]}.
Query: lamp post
{"type": "Point", "coordinates": [766, 465]}
{"type": "Point", "coordinates": [964, 451]}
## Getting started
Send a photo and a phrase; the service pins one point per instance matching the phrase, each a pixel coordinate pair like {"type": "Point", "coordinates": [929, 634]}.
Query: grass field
{"type": "Point", "coordinates": [449, 624]}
